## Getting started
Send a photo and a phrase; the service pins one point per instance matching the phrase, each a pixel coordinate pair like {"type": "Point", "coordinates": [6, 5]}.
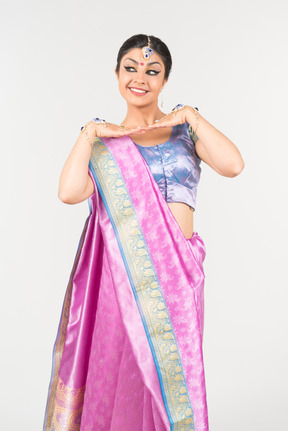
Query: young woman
{"type": "Point", "coordinates": [128, 354]}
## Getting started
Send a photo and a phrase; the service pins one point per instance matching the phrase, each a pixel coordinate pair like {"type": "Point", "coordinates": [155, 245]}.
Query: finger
{"type": "Point", "coordinates": [161, 124]}
{"type": "Point", "coordinates": [121, 134]}
{"type": "Point", "coordinates": [135, 131]}
{"type": "Point", "coordinates": [128, 131]}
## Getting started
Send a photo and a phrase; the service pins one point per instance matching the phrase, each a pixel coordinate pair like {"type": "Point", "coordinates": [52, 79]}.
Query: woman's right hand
{"type": "Point", "coordinates": [110, 130]}
{"type": "Point", "coordinates": [75, 184]}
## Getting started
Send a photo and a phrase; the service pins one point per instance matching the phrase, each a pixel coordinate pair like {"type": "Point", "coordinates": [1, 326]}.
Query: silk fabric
{"type": "Point", "coordinates": [128, 353]}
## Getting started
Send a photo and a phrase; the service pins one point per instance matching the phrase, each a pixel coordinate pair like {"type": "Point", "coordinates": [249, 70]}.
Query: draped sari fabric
{"type": "Point", "coordinates": [128, 353]}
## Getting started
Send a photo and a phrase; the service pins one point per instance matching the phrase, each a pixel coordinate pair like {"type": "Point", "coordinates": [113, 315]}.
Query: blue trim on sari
{"type": "Point", "coordinates": [110, 183]}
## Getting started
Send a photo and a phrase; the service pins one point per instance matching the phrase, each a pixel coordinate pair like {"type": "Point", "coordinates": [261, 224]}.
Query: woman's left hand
{"type": "Point", "coordinates": [212, 146]}
{"type": "Point", "coordinates": [173, 118]}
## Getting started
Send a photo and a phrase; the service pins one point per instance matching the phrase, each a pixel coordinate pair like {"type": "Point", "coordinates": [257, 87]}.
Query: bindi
{"type": "Point", "coordinates": [141, 64]}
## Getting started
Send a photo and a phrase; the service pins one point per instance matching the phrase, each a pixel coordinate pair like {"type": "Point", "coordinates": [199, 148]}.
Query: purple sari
{"type": "Point", "coordinates": [128, 354]}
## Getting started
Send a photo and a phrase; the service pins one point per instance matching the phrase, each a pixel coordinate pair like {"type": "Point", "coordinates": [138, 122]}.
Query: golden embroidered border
{"type": "Point", "coordinates": [60, 341]}
{"type": "Point", "coordinates": [68, 408]}
{"type": "Point", "coordinates": [145, 280]}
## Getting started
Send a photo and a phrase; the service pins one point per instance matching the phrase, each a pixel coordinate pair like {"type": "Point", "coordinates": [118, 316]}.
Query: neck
{"type": "Point", "coordinates": [142, 116]}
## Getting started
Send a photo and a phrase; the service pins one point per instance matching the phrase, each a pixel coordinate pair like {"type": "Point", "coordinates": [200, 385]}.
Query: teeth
{"type": "Point", "coordinates": [138, 91]}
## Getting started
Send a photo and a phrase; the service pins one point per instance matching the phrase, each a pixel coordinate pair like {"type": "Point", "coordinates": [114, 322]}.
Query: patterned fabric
{"type": "Point", "coordinates": [175, 165]}
{"type": "Point", "coordinates": [128, 354]}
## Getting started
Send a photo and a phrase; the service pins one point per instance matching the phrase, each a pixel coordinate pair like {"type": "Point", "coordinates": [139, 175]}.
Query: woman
{"type": "Point", "coordinates": [128, 354]}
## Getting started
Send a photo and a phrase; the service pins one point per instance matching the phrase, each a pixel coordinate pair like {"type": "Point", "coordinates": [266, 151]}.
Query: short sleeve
{"type": "Point", "coordinates": [192, 134]}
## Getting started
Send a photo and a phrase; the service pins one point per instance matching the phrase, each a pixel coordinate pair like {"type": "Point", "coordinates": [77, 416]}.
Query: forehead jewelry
{"type": "Point", "coordinates": [147, 51]}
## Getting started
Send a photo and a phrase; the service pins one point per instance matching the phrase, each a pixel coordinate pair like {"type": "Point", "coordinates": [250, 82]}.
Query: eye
{"type": "Point", "coordinates": [152, 72]}
{"type": "Point", "coordinates": [128, 68]}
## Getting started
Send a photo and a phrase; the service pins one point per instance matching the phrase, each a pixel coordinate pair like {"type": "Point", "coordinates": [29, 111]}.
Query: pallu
{"type": "Point", "coordinates": [128, 353]}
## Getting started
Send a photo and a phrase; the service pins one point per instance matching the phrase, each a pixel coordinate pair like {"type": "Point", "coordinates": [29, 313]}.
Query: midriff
{"type": "Point", "coordinates": [183, 215]}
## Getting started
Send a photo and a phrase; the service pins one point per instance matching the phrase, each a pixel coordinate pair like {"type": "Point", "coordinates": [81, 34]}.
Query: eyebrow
{"type": "Point", "coordinates": [149, 64]}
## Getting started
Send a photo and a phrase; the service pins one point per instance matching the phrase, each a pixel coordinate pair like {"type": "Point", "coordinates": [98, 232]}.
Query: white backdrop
{"type": "Point", "coordinates": [57, 72]}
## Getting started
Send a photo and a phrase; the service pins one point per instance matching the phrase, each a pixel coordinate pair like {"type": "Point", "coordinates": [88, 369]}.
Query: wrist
{"type": "Point", "coordinates": [92, 130]}
{"type": "Point", "coordinates": [190, 116]}
{"type": "Point", "coordinates": [89, 132]}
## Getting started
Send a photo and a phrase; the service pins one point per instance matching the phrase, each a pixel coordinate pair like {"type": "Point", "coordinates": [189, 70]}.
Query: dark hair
{"type": "Point", "coordinates": [141, 40]}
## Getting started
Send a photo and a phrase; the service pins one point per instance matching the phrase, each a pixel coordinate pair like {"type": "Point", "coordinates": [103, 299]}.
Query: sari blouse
{"type": "Point", "coordinates": [175, 165]}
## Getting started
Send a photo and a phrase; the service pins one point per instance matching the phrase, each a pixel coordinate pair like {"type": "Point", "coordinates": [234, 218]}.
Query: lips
{"type": "Point", "coordinates": [138, 91]}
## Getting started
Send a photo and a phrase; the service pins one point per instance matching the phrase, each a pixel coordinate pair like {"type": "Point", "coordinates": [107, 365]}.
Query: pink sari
{"type": "Point", "coordinates": [128, 354]}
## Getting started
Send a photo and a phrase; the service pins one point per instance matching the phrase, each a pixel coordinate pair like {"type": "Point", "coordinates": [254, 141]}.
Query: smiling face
{"type": "Point", "coordinates": [140, 81]}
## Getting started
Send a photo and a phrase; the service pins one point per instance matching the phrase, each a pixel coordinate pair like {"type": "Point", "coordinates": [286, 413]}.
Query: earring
{"type": "Point", "coordinates": [162, 104]}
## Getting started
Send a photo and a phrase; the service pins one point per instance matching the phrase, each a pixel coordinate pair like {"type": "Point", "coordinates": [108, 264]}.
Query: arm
{"type": "Point", "coordinates": [75, 183]}
{"type": "Point", "coordinates": [214, 148]}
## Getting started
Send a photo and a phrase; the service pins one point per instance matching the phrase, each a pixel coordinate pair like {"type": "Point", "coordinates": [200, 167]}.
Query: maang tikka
{"type": "Point", "coordinates": [147, 51]}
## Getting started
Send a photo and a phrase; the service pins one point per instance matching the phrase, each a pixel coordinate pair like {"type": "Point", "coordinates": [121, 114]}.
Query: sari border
{"type": "Point", "coordinates": [145, 285]}
{"type": "Point", "coordinates": [60, 339]}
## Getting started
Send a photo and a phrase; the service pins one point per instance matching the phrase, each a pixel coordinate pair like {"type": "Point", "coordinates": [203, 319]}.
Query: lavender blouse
{"type": "Point", "coordinates": [175, 165]}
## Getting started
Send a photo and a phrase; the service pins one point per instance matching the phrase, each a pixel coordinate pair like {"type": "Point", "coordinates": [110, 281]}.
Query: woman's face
{"type": "Point", "coordinates": [140, 81]}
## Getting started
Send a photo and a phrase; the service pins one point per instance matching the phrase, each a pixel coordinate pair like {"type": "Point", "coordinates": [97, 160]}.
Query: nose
{"type": "Point", "coordinates": [140, 77]}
